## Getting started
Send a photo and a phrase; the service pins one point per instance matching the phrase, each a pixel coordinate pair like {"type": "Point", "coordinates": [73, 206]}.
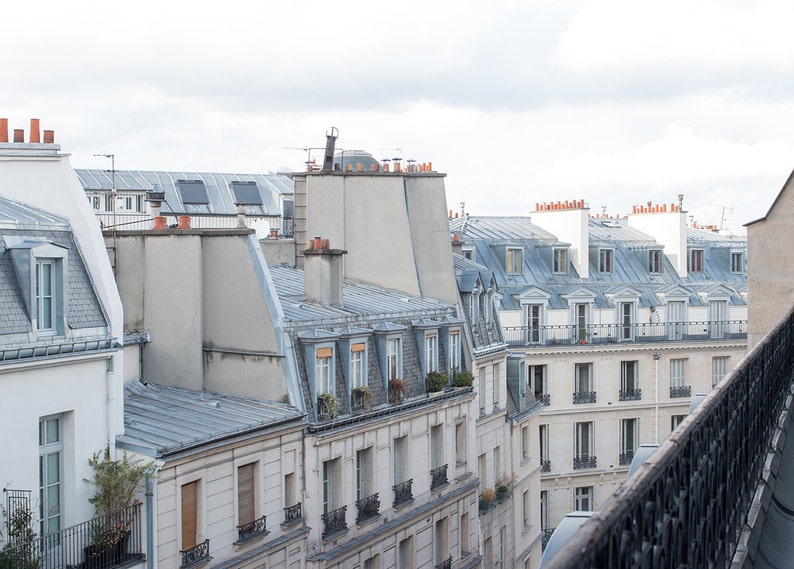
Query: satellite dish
{"type": "Point", "coordinates": [569, 525]}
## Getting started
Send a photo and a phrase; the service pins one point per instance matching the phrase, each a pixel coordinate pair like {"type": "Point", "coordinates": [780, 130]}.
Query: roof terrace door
{"type": "Point", "coordinates": [582, 323]}
{"type": "Point", "coordinates": [534, 322]}
{"type": "Point", "coordinates": [675, 320]}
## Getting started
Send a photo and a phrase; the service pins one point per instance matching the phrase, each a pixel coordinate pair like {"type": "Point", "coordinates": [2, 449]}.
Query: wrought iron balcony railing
{"type": "Point", "coordinates": [615, 333]}
{"type": "Point", "coordinates": [680, 391]}
{"type": "Point", "coordinates": [630, 394]}
{"type": "Point", "coordinates": [545, 536]}
{"type": "Point", "coordinates": [688, 505]}
{"type": "Point", "coordinates": [103, 542]}
{"type": "Point", "coordinates": [196, 554]}
{"type": "Point", "coordinates": [446, 564]}
{"type": "Point", "coordinates": [292, 514]}
{"type": "Point", "coordinates": [584, 397]}
{"type": "Point", "coordinates": [584, 461]}
{"type": "Point", "coordinates": [334, 522]}
{"type": "Point", "coordinates": [402, 492]}
{"type": "Point", "coordinates": [543, 398]}
{"type": "Point", "coordinates": [252, 530]}
{"type": "Point", "coordinates": [368, 507]}
{"type": "Point", "coordinates": [626, 457]}
{"type": "Point", "coordinates": [438, 477]}
{"type": "Point", "coordinates": [545, 465]}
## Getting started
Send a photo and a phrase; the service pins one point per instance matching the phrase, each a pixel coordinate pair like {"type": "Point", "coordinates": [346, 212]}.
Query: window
{"type": "Point", "coordinates": [560, 264]}
{"type": "Point", "coordinates": [496, 385]}
{"type": "Point", "coordinates": [629, 381]}
{"type": "Point", "coordinates": [482, 389]}
{"type": "Point", "coordinates": [406, 553]}
{"type": "Point", "coordinates": [605, 260]}
{"type": "Point", "coordinates": [525, 507]}
{"type": "Point", "coordinates": [441, 540]}
{"type": "Point", "coordinates": [437, 446]}
{"type": "Point", "coordinates": [545, 463]}
{"type": "Point", "coordinates": [718, 317]}
{"type": "Point", "coordinates": [676, 420]}
{"type": "Point", "coordinates": [583, 383]}
{"type": "Point", "coordinates": [538, 383]}
{"type": "Point", "coordinates": [45, 286]}
{"type": "Point", "coordinates": [677, 372]}
{"type": "Point", "coordinates": [524, 443]}
{"type": "Point", "coordinates": [628, 439]}
{"type": "Point", "coordinates": [737, 262]}
{"type": "Point", "coordinates": [468, 253]}
{"type": "Point", "coordinates": [324, 370]}
{"type": "Point", "coordinates": [332, 495]}
{"type": "Point", "coordinates": [95, 202]}
{"type": "Point", "coordinates": [719, 367]}
{"type": "Point", "coordinates": [482, 464]}
{"type": "Point", "coordinates": [460, 443]}
{"type": "Point", "coordinates": [583, 499]}
{"type": "Point", "coordinates": [534, 322]}
{"type": "Point", "coordinates": [364, 464]}
{"type": "Point", "coordinates": [394, 357]}
{"type": "Point", "coordinates": [109, 202]}
{"type": "Point", "coordinates": [625, 318]}
{"type": "Point", "coordinates": [50, 474]}
{"type": "Point", "coordinates": [676, 323]}
{"type": "Point", "coordinates": [544, 509]}
{"type": "Point", "coordinates": [246, 497]}
{"type": "Point", "coordinates": [464, 534]}
{"type": "Point", "coordinates": [582, 322]}
{"type": "Point", "coordinates": [189, 510]}
{"type": "Point", "coordinates": [193, 194]}
{"type": "Point", "coordinates": [454, 351]}
{"type": "Point", "coordinates": [372, 563]}
{"type": "Point", "coordinates": [290, 497]}
{"type": "Point", "coordinates": [584, 457]}
{"type": "Point", "coordinates": [696, 260]}
{"type": "Point", "coordinates": [497, 464]}
{"type": "Point", "coordinates": [246, 192]}
{"type": "Point", "coordinates": [401, 458]}
{"type": "Point", "coordinates": [654, 261]}
{"type": "Point", "coordinates": [431, 353]}
{"type": "Point", "coordinates": [358, 365]}
{"type": "Point", "coordinates": [514, 261]}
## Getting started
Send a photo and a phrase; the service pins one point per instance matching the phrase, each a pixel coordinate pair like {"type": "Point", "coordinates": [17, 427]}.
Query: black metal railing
{"type": "Point", "coordinates": [402, 492]}
{"type": "Point", "coordinates": [105, 541]}
{"type": "Point", "coordinates": [615, 333]}
{"type": "Point", "coordinates": [251, 530]}
{"type": "Point", "coordinates": [630, 394]}
{"type": "Point", "coordinates": [334, 522]}
{"type": "Point", "coordinates": [584, 397]}
{"type": "Point", "coordinates": [687, 506]}
{"type": "Point", "coordinates": [446, 564]}
{"type": "Point", "coordinates": [545, 465]}
{"type": "Point", "coordinates": [680, 391]}
{"type": "Point", "coordinates": [584, 461]}
{"type": "Point", "coordinates": [292, 514]}
{"type": "Point", "coordinates": [438, 477]}
{"type": "Point", "coordinates": [196, 554]}
{"type": "Point", "coordinates": [368, 507]}
{"type": "Point", "coordinates": [545, 536]}
{"type": "Point", "coordinates": [626, 457]}
{"type": "Point", "coordinates": [543, 398]}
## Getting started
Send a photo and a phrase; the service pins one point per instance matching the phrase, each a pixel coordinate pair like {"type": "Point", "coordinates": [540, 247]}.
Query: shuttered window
{"type": "Point", "coordinates": [364, 473]}
{"type": "Point", "coordinates": [437, 446]}
{"type": "Point", "coordinates": [245, 495]}
{"type": "Point", "coordinates": [332, 470]}
{"type": "Point", "coordinates": [189, 514]}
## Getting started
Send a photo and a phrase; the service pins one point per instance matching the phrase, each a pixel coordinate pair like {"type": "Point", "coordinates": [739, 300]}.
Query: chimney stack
{"type": "Point", "coordinates": [19, 135]}
{"type": "Point", "coordinates": [35, 132]}
{"type": "Point", "coordinates": [322, 272]}
{"type": "Point", "coordinates": [3, 130]}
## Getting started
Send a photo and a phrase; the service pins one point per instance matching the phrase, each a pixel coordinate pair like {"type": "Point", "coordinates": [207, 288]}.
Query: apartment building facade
{"type": "Point", "coordinates": [619, 329]}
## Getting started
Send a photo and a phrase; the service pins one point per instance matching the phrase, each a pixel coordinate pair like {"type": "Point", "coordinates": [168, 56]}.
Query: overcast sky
{"type": "Point", "coordinates": [617, 102]}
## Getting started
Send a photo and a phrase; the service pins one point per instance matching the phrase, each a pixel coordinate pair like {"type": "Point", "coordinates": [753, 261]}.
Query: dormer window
{"type": "Point", "coordinates": [737, 262]}
{"type": "Point", "coordinates": [193, 194]}
{"type": "Point", "coordinates": [394, 357]}
{"type": "Point", "coordinates": [560, 262]}
{"type": "Point", "coordinates": [324, 376]}
{"type": "Point", "coordinates": [695, 260]}
{"type": "Point", "coordinates": [654, 261]}
{"type": "Point", "coordinates": [454, 351]}
{"type": "Point", "coordinates": [41, 268]}
{"type": "Point", "coordinates": [246, 193]}
{"type": "Point", "coordinates": [431, 352]}
{"type": "Point", "coordinates": [514, 260]}
{"type": "Point", "coordinates": [605, 261]}
{"type": "Point", "coordinates": [358, 365]}
{"type": "Point", "coordinates": [45, 294]}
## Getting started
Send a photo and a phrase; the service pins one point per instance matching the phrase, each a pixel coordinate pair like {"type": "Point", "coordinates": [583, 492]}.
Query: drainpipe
{"type": "Point", "coordinates": [150, 479]}
{"type": "Point", "coordinates": [110, 388]}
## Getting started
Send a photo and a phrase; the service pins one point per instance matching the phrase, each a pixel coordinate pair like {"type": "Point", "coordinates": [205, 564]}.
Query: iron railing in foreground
{"type": "Point", "coordinates": [687, 505]}
{"type": "Point", "coordinates": [103, 542]}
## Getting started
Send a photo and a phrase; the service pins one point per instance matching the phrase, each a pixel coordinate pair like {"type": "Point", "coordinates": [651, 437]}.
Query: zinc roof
{"type": "Point", "coordinates": [160, 421]}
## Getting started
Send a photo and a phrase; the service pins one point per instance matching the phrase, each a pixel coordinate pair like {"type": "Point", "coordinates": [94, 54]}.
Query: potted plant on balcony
{"type": "Point", "coordinates": [487, 498]}
{"type": "Point", "coordinates": [327, 405]}
{"type": "Point", "coordinates": [116, 481]}
{"type": "Point", "coordinates": [436, 381]}
{"type": "Point", "coordinates": [362, 397]}
{"type": "Point", "coordinates": [463, 379]}
{"type": "Point", "coordinates": [19, 552]}
{"type": "Point", "coordinates": [398, 390]}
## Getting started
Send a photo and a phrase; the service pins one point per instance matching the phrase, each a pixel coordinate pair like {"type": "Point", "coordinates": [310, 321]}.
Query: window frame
{"type": "Point", "coordinates": [737, 262]}
{"type": "Point", "coordinates": [655, 261]}
{"type": "Point", "coordinates": [584, 495]}
{"type": "Point", "coordinates": [51, 448]}
{"type": "Point", "coordinates": [514, 260]}
{"type": "Point", "coordinates": [606, 258]}
{"type": "Point", "coordinates": [695, 261]}
{"type": "Point", "coordinates": [431, 351]}
{"type": "Point", "coordinates": [560, 260]}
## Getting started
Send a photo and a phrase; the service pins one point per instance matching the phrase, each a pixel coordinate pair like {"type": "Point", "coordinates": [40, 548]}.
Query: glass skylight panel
{"type": "Point", "coordinates": [192, 191]}
{"type": "Point", "coordinates": [246, 192]}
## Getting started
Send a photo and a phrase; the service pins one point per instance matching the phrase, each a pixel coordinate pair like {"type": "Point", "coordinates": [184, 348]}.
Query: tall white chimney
{"type": "Point", "coordinates": [322, 272]}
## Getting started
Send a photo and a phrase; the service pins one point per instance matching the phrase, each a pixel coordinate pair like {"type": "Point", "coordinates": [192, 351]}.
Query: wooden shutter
{"type": "Point", "coordinates": [245, 494]}
{"type": "Point", "coordinates": [189, 514]}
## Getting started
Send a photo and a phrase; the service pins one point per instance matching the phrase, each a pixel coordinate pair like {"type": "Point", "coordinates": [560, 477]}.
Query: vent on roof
{"type": "Point", "coordinates": [193, 191]}
{"type": "Point", "coordinates": [246, 193]}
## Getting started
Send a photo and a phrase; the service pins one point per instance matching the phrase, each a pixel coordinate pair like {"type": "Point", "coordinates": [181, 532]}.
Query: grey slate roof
{"type": "Point", "coordinates": [83, 309]}
{"type": "Point", "coordinates": [160, 421]}
{"type": "Point", "coordinates": [271, 187]}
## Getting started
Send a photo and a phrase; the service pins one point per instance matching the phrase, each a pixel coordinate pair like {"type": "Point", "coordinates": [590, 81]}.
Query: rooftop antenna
{"type": "Point", "coordinates": [307, 150]}
{"type": "Point", "coordinates": [112, 200]}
